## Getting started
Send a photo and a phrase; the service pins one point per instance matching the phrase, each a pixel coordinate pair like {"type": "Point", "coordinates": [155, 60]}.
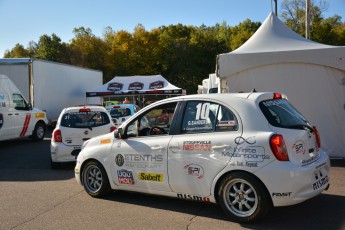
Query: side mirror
{"type": "Point", "coordinates": [119, 134]}
{"type": "Point", "coordinates": [29, 106]}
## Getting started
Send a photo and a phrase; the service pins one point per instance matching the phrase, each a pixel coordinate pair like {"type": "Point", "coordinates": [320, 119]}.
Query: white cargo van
{"type": "Point", "coordinates": [17, 117]}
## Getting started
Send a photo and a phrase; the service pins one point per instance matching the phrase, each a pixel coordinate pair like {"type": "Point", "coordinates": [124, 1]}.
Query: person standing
{"type": "Point", "coordinates": [126, 101]}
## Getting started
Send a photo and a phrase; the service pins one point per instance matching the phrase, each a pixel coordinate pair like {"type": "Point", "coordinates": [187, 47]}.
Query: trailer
{"type": "Point", "coordinates": [51, 86]}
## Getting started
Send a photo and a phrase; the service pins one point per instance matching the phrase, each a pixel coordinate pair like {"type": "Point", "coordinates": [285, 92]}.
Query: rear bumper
{"type": "Point", "coordinates": [290, 184]}
{"type": "Point", "coordinates": [61, 153]}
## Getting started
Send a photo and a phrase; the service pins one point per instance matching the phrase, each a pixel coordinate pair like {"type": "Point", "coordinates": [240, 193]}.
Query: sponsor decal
{"type": "Point", "coordinates": [197, 145]}
{"type": "Point", "coordinates": [311, 159]}
{"type": "Point", "coordinates": [321, 165]}
{"type": "Point", "coordinates": [321, 182]}
{"type": "Point", "coordinates": [125, 176]}
{"type": "Point", "coordinates": [156, 85]}
{"type": "Point", "coordinates": [195, 170]}
{"type": "Point", "coordinates": [119, 160]}
{"type": "Point", "coordinates": [115, 86]}
{"type": "Point", "coordinates": [1, 120]}
{"type": "Point", "coordinates": [193, 197]}
{"type": "Point", "coordinates": [136, 86]}
{"type": "Point", "coordinates": [143, 161]}
{"type": "Point", "coordinates": [105, 141]}
{"type": "Point", "coordinates": [40, 115]}
{"type": "Point", "coordinates": [281, 194]}
{"type": "Point", "coordinates": [26, 125]}
{"type": "Point", "coordinates": [299, 147]}
{"type": "Point", "coordinates": [240, 140]}
{"type": "Point", "coordinates": [250, 154]}
{"type": "Point", "coordinates": [226, 123]}
{"type": "Point", "coordinates": [2, 97]}
{"type": "Point", "coordinates": [76, 170]}
{"type": "Point", "coordinates": [155, 177]}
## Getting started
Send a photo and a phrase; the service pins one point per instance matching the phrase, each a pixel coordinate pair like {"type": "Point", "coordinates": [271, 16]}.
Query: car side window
{"type": "Point", "coordinates": [156, 121]}
{"type": "Point", "coordinates": [226, 120]}
{"type": "Point", "coordinates": [19, 101]}
{"type": "Point", "coordinates": [204, 116]}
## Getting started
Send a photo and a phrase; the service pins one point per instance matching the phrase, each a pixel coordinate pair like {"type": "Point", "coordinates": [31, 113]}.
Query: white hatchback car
{"type": "Point", "coordinates": [247, 152]}
{"type": "Point", "coordinates": [74, 126]}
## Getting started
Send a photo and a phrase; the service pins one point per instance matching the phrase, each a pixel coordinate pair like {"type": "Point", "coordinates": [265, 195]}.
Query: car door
{"type": "Point", "coordinates": [21, 116]}
{"type": "Point", "coordinates": [141, 157]}
{"type": "Point", "coordinates": [198, 152]}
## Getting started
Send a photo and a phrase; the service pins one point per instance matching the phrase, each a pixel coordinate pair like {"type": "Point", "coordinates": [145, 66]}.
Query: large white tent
{"type": "Point", "coordinates": [312, 75]}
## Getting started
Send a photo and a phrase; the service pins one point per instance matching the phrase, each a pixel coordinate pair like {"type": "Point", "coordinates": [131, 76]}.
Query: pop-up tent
{"type": "Point", "coordinates": [136, 85]}
{"type": "Point", "coordinates": [312, 75]}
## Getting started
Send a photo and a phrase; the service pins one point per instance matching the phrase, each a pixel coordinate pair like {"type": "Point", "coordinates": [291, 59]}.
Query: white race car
{"type": "Point", "coordinates": [247, 152]}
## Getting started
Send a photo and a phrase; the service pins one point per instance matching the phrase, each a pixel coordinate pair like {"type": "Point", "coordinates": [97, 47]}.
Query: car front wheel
{"type": "Point", "coordinates": [243, 197]}
{"type": "Point", "coordinates": [39, 131]}
{"type": "Point", "coordinates": [95, 179]}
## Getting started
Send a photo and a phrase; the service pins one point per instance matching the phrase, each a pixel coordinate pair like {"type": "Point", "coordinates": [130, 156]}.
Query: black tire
{"type": "Point", "coordinates": [243, 198]}
{"type": "Point", "coordinates": [39, 132]}
{"type": "Point", "coordinates": [95, 179]}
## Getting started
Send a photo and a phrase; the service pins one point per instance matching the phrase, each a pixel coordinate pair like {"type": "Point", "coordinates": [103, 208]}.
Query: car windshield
{"type": "Point", "coordinates": [84, 119]}
{"type": "Point", "coordinates": [120, 112]}
{"type": "Point", "coordinates": [280, 113]}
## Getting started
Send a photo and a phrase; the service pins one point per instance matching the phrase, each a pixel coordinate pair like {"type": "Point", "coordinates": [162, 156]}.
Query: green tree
{"type": "Point", "coordinates": [17, 52]}
{"type": "Point", "coordinates": [49, 48]}
{"type": "Point", "coordinates": [87, 50]}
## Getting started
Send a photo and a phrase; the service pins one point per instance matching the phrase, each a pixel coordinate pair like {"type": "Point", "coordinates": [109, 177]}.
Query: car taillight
{"type": "Point", "coordinates": [112, 128]}
{"type": "Point", "coordinates": [278, 147]}
{"type": "Point", "coordinates": [57, 135]}
{"type": "Point", "coordinates": [277, 96]}
{"type": "Point", "coordinates": [84, 110]}
{"type": "Point", "coordinates": [317, 136]}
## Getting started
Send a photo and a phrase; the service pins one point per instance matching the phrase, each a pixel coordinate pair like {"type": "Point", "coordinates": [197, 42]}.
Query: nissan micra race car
{"type": "Point", "coordinates": [247, 152]}
{"type": "Point", "coordinates": [74, 126]}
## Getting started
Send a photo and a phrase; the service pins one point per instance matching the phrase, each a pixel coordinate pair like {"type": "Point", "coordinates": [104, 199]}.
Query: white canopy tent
{"type": "Point", "coordinates": [312, 75]}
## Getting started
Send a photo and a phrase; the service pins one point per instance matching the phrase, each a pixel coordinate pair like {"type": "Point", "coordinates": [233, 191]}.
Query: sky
{"type": "Point", "coordinates": [23, 21]}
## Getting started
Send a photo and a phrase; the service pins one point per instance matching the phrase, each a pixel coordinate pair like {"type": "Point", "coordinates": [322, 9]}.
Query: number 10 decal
{"type": "Point", "coordinates": [202, 111]}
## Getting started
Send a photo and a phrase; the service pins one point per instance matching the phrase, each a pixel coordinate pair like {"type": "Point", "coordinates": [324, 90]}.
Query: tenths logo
{"type": "Point", "coordinates": [151, 177]}
{"type": "Point", "coordinates": [119, 160]}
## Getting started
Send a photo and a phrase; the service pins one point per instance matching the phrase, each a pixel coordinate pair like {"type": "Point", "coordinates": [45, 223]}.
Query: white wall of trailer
{"type": "Point", "coordinates": [54, 85]}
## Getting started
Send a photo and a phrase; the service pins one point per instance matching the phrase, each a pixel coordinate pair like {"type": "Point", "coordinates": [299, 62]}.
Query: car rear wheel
{"type": "Point", "coordinates": [243, 197]}
{"type": "Point", "coordinates": [95, 179]}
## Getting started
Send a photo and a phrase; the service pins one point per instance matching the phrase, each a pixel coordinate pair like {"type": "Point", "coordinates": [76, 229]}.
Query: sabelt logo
{"type": "Point", "coordinates": [151, 177]}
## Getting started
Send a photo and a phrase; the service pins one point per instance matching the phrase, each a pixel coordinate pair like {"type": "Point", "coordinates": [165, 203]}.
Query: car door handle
{"type": "Point", "coordinates": [220, 147]}
{"type": "Point", "coordinates": [157, 148]}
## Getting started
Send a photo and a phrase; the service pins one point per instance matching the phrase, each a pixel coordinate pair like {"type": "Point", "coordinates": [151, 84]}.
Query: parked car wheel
{"type": "Point", "coordinates": [95, 179]}
{"type": "Point", "coordinates": [39, 132]}
{"type": "Point", "coordinates": [243, 198]}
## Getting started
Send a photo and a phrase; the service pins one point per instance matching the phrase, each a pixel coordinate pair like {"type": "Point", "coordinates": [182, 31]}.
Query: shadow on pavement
{"type": "Point", "coordinates": [316, 213]}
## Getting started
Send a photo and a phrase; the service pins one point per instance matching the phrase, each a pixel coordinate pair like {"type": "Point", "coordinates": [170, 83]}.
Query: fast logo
{"type": "Point", "coordinates": [125, 176]}
{"type": "Point", "coordinates": [155, 177]}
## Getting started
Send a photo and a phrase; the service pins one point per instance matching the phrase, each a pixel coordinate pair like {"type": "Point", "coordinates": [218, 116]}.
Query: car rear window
{"type": "Point", "coordinates": [85, 119]}
{"type": "Point", "coordinates": [280, 113]}
{"type": "Point", "coordinates": [120, 112]}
